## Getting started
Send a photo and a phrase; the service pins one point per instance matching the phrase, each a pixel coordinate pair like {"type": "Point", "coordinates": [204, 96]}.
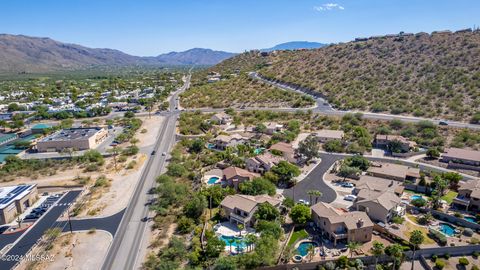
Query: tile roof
{"type": "Point", "coordinates": [282, 147]}
{"type": "Point", "coordinates": [248, 203]}
{"type": "Point", "coordinates": [350, 219]}
{"type": "Point", "coordinates": [458, 153]}
{"type": "Point", "coordinates": [231, 172]}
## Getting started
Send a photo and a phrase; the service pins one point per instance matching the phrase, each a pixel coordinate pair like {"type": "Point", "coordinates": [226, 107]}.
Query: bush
{"type": "Point", "coordinates": [419, 202]}
{"type": "Point", "coordinates": [434, 257]}
{"type": "Point", "coordinates": [475, 267]}
{"type": "Point", "coordinates": [447, 256]}
{"type": "Point", "coordinates": [468, 232]}
{"type": "Point", "coordinates": [438, 236]}
{"type": "Point", "coordinates": [440, 264]}
{"type": "Point", "coordinates": [463, 261]}
{"type": "Point", "coordinates": [475, 254]}
{"type": "Point", "coordinates": [398, 220]}
{"type": "Point", "coordinates": [185, 225]}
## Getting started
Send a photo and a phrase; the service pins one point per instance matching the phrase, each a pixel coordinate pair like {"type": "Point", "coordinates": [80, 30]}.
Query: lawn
{"type": "Point", "coordinates": [449, 196]}
{"type": "Point", "coordinates": [411, 227]}
{"type": "Point", "coordinates": [297, 235]}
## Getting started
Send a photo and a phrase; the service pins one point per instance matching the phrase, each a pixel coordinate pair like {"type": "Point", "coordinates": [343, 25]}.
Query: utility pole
{"type": "Point", "coordinates": [69, 221]}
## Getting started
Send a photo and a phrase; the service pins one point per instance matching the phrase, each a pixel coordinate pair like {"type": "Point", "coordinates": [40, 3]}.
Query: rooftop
{"type": "Point", "coordinates": [462, 154]}
{"type": "Point", "coordinates": [72, 134]}
{"type": "Point", "coordinates": [328, 133]}
{"type": "Point", "coordinates": [248, 203]}
{"type": "Point", "coordinates": [350, 219]}
{"type": "Point", "coordinates": [395, 170]}
{"type": "Point", "coordinates": [11, 193]}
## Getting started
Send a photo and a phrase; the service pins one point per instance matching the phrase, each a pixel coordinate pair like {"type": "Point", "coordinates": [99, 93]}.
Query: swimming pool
{"type": "Point", "coordinates": [303, 247]}
{"type": "Point", "coordinates": [258, 151]}
{"type": "Point", "coordinates": [416, 197]}
{"type": "Point", "coordinates": [210, 145]}
{"type": "Point", "coordinates": [213, 180]}
{"type": "Point", "coordinates": [237, 245]}
{"type": "Point", "coordinates": [447, 229]}
{"type": "Point", "coordinates": [470, 219]}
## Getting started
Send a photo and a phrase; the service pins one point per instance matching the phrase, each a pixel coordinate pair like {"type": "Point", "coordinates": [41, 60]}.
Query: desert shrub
{"type": "Point", "coordinates": [439, 264]}
{"type": "Point", "coordinates": [463, 261]}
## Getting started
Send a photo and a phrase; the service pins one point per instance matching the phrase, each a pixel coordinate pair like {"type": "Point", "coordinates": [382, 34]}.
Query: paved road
{"type": "Point", "coordinates": [323, 107]}
{"type": "Point", "coordinates": [33, 234]}
{"type": "Point", "coordinates": [109, 224]}
{"type": "Point", "coordinates": [126, 246]}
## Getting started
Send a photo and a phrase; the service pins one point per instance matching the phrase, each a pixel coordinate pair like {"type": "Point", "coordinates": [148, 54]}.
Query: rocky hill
{"type": "Point", "coordinates": [295, 45]}
{"type": "Point", "coordinates": [429, 75]}
{"type": "Point", "coordinates": [20, 53]}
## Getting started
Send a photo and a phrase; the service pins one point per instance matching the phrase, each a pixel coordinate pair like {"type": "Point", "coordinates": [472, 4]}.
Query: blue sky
{"type": "Point", "coordinates": [148, 27]}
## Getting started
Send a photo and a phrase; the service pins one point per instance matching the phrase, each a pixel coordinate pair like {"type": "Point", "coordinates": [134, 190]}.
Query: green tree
{"type": "Point", "coordinates": [286, 171]}
{"type": "Point", "coordinates": [416, 239]}
{"type": "Point", "coordinates": [257, 186]}
{"type": "Point", "coordinates": [334, 146]}
{"type": "Point", "coordinates": [214, 247]}
{"type": "Point", "coordinates": [353, 247]}
{"type": "Point", "coordinates": [377, 251]}
{"type": "Point", "coordinates": [433, 152]}
{"type": "Point", "coordinates": [266, 211]}
{"type": "Point", "coordinates": [195, 206]}
{"type": "Point", "coordinates": [309, 148]}
{"type": "Point", "coordinates": [315, 194]}
{"type": "Point", "coordinates": [395, 252]}
{"type": "Point", "coordinates": [225, 263]}
{"type": "Point", "coordinates": [300, 214]}
{"type": "Point", "coordinates": [347, 171]}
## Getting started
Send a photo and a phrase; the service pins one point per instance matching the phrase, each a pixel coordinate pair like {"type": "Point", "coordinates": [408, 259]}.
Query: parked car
{"type": "Point", "coordinates": [350, 197]}
{"type": "Point", "coordinates": [443, 123]}
{"type": "Point", "coordinates": [347, 185]}
{"type": "Point", "coordinates": [302, 201]}
{"type": "Point", "coordinates": [153, 152]}
{"type": "Point", "coordinates": [32, 216]}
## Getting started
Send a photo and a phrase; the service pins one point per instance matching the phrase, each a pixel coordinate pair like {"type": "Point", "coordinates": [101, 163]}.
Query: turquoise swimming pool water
{"type": "Point", "coordinates": [210, 146]}
{"type": "Point", "coordinates": [213, 180]}
{"type": "Point", "coordinates": [416, 197]}
{"type": "Point", "coordinates": [237, 245]}
{"type": "Point", "coordinates": [303, 247]}
{"type": "Point", "coordinates": [447, 229]}
{"type": "Point", "coordinates": [258, 151]}
{"type": "Point", "coordinates": [471, 219]}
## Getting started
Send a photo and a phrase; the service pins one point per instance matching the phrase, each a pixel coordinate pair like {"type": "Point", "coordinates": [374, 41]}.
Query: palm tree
{"type": "Point", "coordinates": [240, 228]}
{"type": "Point", "coordinates": [396, 253]}
{"type": "Point", "coordinates": [250, 239]}
{"type": "Point", "coordinates": [377, 250]}
{"type": "Point", "coordinates": [311, 251]}
{"type": "Point", "coordinates": [230, 243]}
{"type": "Point", "coordinates": [317, 194]}
{"type": "Point", "coordinates": [310, 193]}
{"type": "Point", "coordinates": [238, 243]}
{"type": "Point", "coordinates": [353, 246]}
{"type": "Point", "coordinates": [416, 239]}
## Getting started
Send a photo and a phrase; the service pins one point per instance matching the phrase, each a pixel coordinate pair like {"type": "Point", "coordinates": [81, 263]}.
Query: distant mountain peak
{"type": "Point", "coordinates": [295, 45]}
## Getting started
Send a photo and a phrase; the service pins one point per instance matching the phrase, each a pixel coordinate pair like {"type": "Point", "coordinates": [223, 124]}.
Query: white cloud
{"type": "Point", "coordinates": [328, 6]}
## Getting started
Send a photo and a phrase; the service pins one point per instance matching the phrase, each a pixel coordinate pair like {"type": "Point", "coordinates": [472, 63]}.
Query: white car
{"type": "Point", "coordinates": [302, 201]}
{"type": "Point", "coordinates": [347, 185]}
{"type": "Point", "coordinates": [350, 198]}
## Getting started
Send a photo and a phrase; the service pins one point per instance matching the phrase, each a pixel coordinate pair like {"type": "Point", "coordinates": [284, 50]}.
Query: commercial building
{"type": "Point", "coordinates": [73, 138]}
{"type": "Point", "coordinates": [14, 200]}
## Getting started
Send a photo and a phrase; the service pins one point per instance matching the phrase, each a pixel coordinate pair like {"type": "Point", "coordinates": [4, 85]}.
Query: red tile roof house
{"type": "Point", "coordinates": [262, 163]}
{"type": "Point", "coordinates": [240, 209]}
{"type": "Point", "coordinates": [461, 156]}
{"type": "Point", "coordinates": [234, 176]}
{"type": "Point", "coordinates": [286, 149]}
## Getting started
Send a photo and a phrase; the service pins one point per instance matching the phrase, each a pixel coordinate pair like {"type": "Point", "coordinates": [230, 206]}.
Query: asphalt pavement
{"type": "Point", "coordinates": [29, 238]}
{"type": "Point", "coordinates": [109, 224]}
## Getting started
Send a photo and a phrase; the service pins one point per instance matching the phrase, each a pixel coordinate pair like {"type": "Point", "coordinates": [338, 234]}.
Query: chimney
{"type": "Point", "coordinates": [360, 222]}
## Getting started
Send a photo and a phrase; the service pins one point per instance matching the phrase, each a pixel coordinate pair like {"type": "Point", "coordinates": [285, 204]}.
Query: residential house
{"type": "Point", "coordinates": [468, 195]}
{"type": "Point", "coordinates": [240, 209]}
{"type": "Point", "coordinates": [234, 176]}
{"type": "Point", "coordinates": [340, 226]}
{"type": "Point", "coordinates": [223, 141]}
{"type": "Point", "coordinates": [462, 156]}
{"type": "Point", "coordinates": [380, 206]}
{"type": "Point", "coordinates": [384, 141]}
{"type": "Point", "coordinates": [393, 171]}
{"type": "Point", "coordinates": [286, 149]}
{"type": "Point", "coordinates": [222, 118]}
{"type": "Point", "coordinates": [326, 135]}
{"type": "Point", "coordinates": [262, 163]}
{"type": "Point", "coordinates": [272, 127]}
{"type": "Point", "coordinates": [378, 184]}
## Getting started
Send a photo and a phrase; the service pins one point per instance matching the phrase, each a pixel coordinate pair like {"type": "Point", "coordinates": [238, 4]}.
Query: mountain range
{"type": "Point", "coordinates": [19, 53]}
{"type": "Point", "coordinates": [25, 54]}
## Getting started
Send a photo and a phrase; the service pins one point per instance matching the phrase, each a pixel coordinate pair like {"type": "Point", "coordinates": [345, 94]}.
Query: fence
{"type": "Point", "coordinates": [369, 260]}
